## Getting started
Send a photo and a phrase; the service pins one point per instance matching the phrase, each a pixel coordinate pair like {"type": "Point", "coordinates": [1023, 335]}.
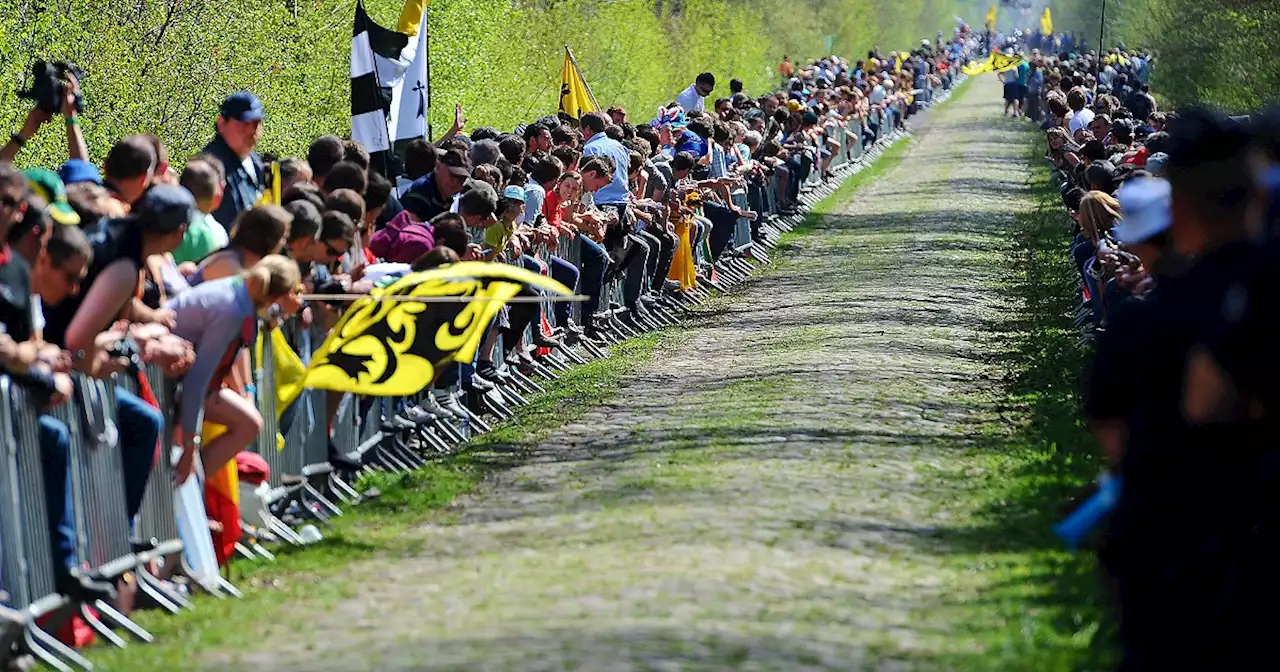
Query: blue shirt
{"type": "Point", "coordinates": [601, 145]}
{"type": "Point", "coordinates": [693, 143]}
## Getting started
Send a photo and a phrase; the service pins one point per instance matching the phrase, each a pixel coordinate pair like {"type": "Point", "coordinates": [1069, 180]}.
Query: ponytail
{"type": "Point", "coordinates": [270, 279]}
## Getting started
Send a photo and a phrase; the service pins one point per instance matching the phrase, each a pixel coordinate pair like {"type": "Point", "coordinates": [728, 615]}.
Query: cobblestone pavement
{"type": "Point", "coordinates": [776, 491]}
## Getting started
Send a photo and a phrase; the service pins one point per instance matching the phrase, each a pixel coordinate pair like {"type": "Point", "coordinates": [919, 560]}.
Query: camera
{"type": "Point", "coordinates": [48, 82]}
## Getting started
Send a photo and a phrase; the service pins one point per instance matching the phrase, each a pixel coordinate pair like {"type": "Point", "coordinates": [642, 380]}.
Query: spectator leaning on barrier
{"type": "Point", "coordinates": [239, 127]}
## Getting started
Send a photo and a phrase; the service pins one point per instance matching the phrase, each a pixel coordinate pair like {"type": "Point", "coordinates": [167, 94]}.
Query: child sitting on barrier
{"type": "Point", "coordinates": [220, 317]}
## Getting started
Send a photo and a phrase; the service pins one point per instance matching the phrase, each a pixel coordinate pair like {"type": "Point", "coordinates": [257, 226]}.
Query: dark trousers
{"type": "Point", "coordinates": [723, 222]}
{"type": "Point", "coordinates": [566, 274]}
{"type": "Point", "coordinates": [635, 263]}
{"type": "Point", "coordinates": [140, 425]}
{"type": "Point", "coordinates": [55, 462]}
{"type": "Point", "coordinates": [594, 261]}
{"type": "Point", "coordinates": [660, 263]}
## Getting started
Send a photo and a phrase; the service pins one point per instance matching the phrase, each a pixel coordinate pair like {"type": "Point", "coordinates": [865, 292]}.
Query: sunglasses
{"type": "Point", "coordinates": [333, 251]}
{"type": "Point", "coordinates": [9, 201]}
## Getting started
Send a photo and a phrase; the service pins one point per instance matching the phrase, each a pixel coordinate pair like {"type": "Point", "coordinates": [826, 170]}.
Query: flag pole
{"type": "Point", "coordinates": [581, 78]}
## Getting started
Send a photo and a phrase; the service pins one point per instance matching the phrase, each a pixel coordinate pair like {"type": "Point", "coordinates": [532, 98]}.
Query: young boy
{"type": "Point", "coordinates": [204, 178]}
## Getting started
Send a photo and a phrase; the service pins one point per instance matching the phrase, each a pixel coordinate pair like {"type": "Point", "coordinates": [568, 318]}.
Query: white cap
{"type": "Point", "coordinates": [1145, 207]}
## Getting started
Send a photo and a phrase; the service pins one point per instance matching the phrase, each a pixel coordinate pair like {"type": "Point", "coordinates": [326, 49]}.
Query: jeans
{"type": "Point", "coordinates": [636, 262]}
{"type": "Point", "coordinates": [55, 462]}
{"type": "Point", "coordinates": [566, 274]}
{"type": "Point", "coordinates": [595, 261]}
{"type": "Point", "coordinates": [723, 222]}
{"type": "Point", "coordinates": [140, 425]}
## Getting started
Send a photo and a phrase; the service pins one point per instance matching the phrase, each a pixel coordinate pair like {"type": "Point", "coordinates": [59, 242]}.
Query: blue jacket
{"type": "Point", "coordinates": [241, 190]}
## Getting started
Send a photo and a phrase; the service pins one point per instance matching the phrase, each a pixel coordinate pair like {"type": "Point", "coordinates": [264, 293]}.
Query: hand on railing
{"type": "Point", "coordinates": [63, 389]}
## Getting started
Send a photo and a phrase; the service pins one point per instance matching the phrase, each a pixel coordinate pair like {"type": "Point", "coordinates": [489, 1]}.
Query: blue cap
{"type": "Point", "coordinates": [242, 106]}
{"type": "Point", "coordinates": [79, 170]}
{"type": "Point", "coordinates": [165, 208]}
{"type": "Point", "coordinates": [514, 191]}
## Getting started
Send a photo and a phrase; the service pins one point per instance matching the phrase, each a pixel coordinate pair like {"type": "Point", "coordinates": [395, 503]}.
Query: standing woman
{"type": "Point", "coordinates": [220, 318]}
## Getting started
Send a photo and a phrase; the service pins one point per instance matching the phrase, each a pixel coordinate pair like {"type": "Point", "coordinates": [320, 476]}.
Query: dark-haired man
{"type": "Point", "coordinates": [694, 98]}
{"type": "Point", "coordinates": [434, 193]}
{"type": "Point", "coordinates": [239, 129]}
{"type": "Point", "coordinates": [128, 168]}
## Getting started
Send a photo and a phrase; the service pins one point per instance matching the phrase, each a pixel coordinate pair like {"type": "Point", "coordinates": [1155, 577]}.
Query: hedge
{"type": "Point", "coordinates": [162, 66]}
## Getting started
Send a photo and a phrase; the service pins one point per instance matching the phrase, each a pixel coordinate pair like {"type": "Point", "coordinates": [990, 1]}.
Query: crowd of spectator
{"type": "Point", "coordinates": [124, 259]}
{"type": "Point", "coordinates": [1174, 244]}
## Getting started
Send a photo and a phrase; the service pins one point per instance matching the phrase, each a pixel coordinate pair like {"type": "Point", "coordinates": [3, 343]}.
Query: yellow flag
{"type": "Point", "coordinates": [1001, 62]}
{"type": "Point", "coordinates": [411, 17]}
{"type": "Point", "coordinates": [977, 67]}
{"type": "Point", "coordinates": [991, 18]}
{"type": "Point", "coordinates": [391, 345]}
{"type": "Point", "coordinates": [1046, 23]}
{"type": "Point", "coordinates": [576, 98]}
{"type": "Point", "coordinates": [272, 195]}
{"type": "Point", "coordinates": [897, 61]}
{"type": "Point", "coordinates": [996, 62]}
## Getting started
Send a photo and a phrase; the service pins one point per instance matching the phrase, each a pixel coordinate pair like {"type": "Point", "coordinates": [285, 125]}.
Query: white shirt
{"type": "Point", "coordinates": [691, 101]}
{"type": "Point", "coordinates": [1080, 120]}
{"type": "Point", "coordinates": [877, 95]}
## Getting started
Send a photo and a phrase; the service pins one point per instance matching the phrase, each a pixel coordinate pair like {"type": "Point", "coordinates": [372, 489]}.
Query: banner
{"type": "Point", "coordinates": [576, 98]}
{"type": "Point", "coordinates": [383, 61]}
{"type": "Point", "coordinates": [1046, 23]}
{"type": "Point", "coordinates": [393, 345]}
{"type": "Point", "coordinates": [996, 62]}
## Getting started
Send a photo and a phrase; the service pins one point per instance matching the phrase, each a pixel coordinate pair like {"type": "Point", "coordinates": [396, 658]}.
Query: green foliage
{"type": "Point", "coordinates": [162, 66]}
{"type": "Point", "coordinates": [1219, 52]}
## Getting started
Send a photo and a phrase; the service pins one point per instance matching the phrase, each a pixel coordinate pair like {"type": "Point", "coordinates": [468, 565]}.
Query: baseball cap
{"type": "Point", "coordinates": [457, 162]}
{"type": "Point", "coordinates": [794, 105]}
{"type": "Point", "coordinates": [165, 208]}
{"type": "Point", "coordinates": [1156, 163]}
{"type": "Point", "coordinates": [242, 106]}
{"type": "Point", "coordinates": [514, 191]}
{"type": "Point", "coordinates": [48, 186]}
{"type": "Point", "coordinates": [79, 170]}
{"type": "Point", "coordinates": [478, 198]}
{"type": "Point", "coordinates": [1145, 205]}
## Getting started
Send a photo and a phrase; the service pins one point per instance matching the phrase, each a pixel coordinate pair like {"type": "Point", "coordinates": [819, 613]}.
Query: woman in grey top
{"type": "Point", "coordinates": [219, 318]}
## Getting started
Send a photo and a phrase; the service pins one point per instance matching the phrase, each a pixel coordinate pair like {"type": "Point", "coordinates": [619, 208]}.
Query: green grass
{"type": "Point", "coordinates": [1047, 604]}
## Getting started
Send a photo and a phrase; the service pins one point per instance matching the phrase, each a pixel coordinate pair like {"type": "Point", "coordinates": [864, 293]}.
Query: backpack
{"type": "Point", "coordinates": [403, 240]}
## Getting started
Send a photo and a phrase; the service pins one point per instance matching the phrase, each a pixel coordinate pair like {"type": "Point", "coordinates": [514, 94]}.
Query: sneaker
{"type": "Point", "coordinates": [449, 404]}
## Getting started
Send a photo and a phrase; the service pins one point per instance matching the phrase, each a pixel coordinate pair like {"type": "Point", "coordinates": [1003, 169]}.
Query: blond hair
{"type": "Point", "coordinates": [271, 278]}
{"type": "Point", "coordinates": [1098, 213]}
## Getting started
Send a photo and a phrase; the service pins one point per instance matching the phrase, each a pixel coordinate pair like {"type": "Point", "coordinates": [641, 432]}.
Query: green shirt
{"type": "Point", "coordinates": [198, 241]}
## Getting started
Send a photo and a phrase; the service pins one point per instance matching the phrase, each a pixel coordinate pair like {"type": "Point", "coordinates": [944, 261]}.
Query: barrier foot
{"type": "Point", "coordinates": [320, 499]}
{"type": "Point", "coordinates": [35, 642]}
{"type": "Point", "coordinates": [226, 587]}
{"type": "Point", "coordinates": [100, 628]}
{"type": "Point", "coordinates": [161, 597]}
{"type": "Point", "coordinates": [124, 622]}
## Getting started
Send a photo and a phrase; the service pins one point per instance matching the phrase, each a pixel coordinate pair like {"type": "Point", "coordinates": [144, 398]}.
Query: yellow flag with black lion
{"type": "Point", "coordinates": [396, 341]}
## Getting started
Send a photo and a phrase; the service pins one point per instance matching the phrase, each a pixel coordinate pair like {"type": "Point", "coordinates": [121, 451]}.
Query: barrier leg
{"type": "Point", "coordinates": [123, 622]}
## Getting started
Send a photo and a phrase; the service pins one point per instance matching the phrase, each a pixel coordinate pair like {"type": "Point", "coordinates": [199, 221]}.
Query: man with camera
{"type": "Point", "coordinates": [55, 88]}
{"type": "Point", "coordinates": [239, 129]}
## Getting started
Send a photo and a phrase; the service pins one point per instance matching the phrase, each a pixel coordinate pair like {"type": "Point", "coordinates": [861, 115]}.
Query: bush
{"type": "Point", "coordinates": [1219, 52]}
{"type": "Point", "coordinates": [162, 66]}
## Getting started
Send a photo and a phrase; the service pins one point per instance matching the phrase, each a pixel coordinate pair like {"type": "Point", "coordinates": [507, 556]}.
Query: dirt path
{"type": "Point", "coordinates": [775, 492]}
